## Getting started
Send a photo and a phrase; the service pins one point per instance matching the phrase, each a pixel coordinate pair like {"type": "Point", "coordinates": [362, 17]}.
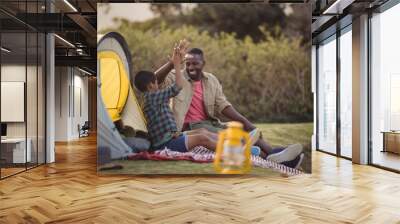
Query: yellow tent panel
{"type": "Point", "coordinates": [116, 91]}
{"type": "Point", "coordinates": [114, 83]}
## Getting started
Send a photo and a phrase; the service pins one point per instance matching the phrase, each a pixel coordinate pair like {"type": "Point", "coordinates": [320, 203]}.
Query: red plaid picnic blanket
{"type": "Point", "coordinates": [202, 155]}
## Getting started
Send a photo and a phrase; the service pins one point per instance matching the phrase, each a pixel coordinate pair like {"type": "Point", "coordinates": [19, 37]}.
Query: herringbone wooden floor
{"type": "Point", "coordinates": [70, 191]}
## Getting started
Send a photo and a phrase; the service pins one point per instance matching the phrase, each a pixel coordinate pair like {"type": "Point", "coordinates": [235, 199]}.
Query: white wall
{"type": "Point", "coordinates": [71, 94]}
{"type": "Point", "coordinates": [62, 80]}
{"type": "Point", "coordinates": [81, 100]}
{"type": "Point", "coordinates": [12, 73]}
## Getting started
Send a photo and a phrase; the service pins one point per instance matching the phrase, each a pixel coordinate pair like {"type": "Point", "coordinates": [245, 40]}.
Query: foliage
{"type": "Point", "coordinates": [242, 19]}
{"type": "Point", "coordinates": [166, 9]}
{"type": "Point", "coordinates": [268, 80]}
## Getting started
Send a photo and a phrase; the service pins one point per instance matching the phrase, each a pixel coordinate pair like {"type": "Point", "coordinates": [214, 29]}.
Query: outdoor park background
{"type": "Point", "coordinates": [259, 52]}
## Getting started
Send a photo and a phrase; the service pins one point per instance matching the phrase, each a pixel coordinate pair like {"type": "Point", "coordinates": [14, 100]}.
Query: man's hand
{"type": "Point", "coordinates": [233, 115]}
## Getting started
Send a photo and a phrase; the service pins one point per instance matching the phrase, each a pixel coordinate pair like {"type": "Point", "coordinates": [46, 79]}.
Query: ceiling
{"type": "Point", "coordinates": [326, 21]}
{"type": "Point", "coordinates": [74, 22]}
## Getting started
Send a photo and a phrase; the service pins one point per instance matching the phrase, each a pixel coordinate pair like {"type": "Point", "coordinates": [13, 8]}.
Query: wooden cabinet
{"type": "Point", "coordinates": [391, 142]}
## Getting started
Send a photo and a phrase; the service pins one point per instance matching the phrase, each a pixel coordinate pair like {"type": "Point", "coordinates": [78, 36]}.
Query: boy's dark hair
{"type": "Point", "coordinates": [143, 79]}
{"type": "Point", "coordinates": [197, 51]}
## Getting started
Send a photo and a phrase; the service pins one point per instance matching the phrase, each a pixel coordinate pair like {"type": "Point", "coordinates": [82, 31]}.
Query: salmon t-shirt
{"type": "Point", "coordinates": [196, 110]}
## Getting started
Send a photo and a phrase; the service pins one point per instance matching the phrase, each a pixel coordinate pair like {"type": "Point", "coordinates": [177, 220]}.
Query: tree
{"type": "Point", "coordinates": [298, 22]}
{"type": "Point", "coordinates": [166, 9]}
{"type": "Point", "coordinates": [242, 19]}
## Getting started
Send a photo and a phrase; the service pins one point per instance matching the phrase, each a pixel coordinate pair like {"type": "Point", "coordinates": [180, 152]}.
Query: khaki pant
{"type": "Point", "coordinates": [211, 125]}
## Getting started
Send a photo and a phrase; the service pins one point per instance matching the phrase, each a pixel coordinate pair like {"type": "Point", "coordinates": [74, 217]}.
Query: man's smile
{"type": "Point", "coordinates": [192, 72]}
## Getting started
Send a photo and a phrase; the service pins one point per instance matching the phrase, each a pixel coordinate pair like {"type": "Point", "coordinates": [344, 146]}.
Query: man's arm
{"type": "Point", "coordinates": [163, 71]}
{"type": "Point", "coordinates": [230, 113]}
{"type": "Point", "coordinates": [225, 108]}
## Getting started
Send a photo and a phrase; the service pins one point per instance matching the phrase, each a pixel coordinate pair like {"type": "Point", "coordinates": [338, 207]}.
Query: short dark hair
{"type": "Point", "coordinates": [143, 79]}
{"type": "Point", "coordinates": [197, 51]}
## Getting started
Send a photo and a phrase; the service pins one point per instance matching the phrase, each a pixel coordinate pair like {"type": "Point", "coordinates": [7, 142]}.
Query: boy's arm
{"type": "Point", "coordinates": [177, 60]}
{"type": "Point", "coordinates": [163, 95]}
{"type": "Point", "coordinates": [160, 96]}
{"type": "Point", "coordinates": [178, 77]}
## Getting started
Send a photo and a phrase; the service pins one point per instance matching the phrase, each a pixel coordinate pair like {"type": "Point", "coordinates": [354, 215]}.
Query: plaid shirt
{"type": "Point", "coordinates": [161, 123]}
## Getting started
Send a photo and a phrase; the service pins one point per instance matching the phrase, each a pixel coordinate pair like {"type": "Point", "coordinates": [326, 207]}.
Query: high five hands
{"type": "Point", "coordinates": [180, 49]}
{"type": "Point", "coordinates": [176, 57]}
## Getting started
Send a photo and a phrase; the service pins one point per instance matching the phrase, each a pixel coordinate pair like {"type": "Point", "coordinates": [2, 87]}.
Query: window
{"type": "Point", "coordinates": [346, 92]}
{"type": "Point", "coordinates": [23, 77]}
{"type": "Point", "coordinates": [385, 87]}
{"type": "Point", "coordinates": [327, 95]}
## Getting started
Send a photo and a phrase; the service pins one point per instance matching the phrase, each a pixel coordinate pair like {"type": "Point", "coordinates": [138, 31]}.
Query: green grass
{"type": "Point", "coordinates": [172, 167]}
{"type": "Point", "coordinates": [285, 134]}
{"type": "Point", "coordinates": [275, 134]}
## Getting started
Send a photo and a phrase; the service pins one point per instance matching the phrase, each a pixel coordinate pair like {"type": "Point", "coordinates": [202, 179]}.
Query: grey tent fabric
{"type": "Point", "coordinates": [109, 141]}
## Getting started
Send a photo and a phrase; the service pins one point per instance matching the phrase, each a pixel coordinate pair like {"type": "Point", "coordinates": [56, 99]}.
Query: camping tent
{"type": "Point", "coordinates": [116, 96]}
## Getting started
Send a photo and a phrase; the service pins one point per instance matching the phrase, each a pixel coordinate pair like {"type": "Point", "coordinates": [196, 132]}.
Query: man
{"type": "Point", "coordinates": [201, 101]}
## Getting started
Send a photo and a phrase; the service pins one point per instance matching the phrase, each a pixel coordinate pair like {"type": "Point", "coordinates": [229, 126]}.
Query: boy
{"type": "Point", "coordinates": [161, 122]}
